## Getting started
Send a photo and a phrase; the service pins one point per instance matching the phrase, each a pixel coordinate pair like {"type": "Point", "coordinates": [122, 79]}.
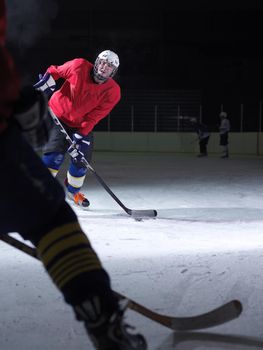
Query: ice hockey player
{"type": "Point", "coordinates": [224, 129]}
{"type": "Point", "coordinates": [88, 94]}
{"type": "Point", "coordinates": [33, 204]}
{"type": "Point", "coordinates": [203, 136]}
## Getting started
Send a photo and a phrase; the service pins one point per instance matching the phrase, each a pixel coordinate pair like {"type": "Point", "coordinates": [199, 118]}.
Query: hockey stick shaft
{"type": "Point", "coordinates": [33, 253]}
{"type": "Point", "coordinates": [132, 212]}
{"type": "Point", "coordinates": [220, 315]}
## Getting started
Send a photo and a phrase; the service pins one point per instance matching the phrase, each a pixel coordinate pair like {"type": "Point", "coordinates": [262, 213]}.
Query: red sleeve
{"type": "Point", "coordinates": [65, 71]}
{"type": "Point", "coordinates": [9, 82]}
{"type": "Point", "coordinates": [2, 22]}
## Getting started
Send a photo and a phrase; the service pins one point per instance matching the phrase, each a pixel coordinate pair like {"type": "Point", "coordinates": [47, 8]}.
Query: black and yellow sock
{"type": "Point", "coordinates": [67, 253]}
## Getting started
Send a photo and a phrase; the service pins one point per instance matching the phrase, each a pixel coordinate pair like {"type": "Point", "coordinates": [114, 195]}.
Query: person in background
{"type": "Point", "coordinates": [203, 136]}
{"type": "Point", "coordinates": [224, 129]}
{"type": "Point", "coordinates": [88, 94]}
{"type": "Point", "coordinates": [32, 203]}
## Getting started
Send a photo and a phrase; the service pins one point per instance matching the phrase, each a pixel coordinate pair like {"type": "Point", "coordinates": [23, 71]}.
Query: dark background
{"type": "Point", "coordinates": [214, 47]}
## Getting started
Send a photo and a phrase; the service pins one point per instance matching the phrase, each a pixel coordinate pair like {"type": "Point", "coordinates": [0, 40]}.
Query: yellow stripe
{"type": "Point", "coordinates": [53, 171]}
{"type": "Point", "coordinates": [59, 268]}
{"type": "Point", "coordinates": [74, 267]}
{"type": "Point", "coordinates": [81, 270]}
{"type": "Point", "coordinates": [60, 246]}
{"type": "Point", "coordinates": [67, 257]}
{"type": "Point", "coordinates": [57, 233]}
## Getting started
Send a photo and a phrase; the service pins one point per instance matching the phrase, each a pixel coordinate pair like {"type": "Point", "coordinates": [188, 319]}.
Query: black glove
{"type": "Point", "coordinates": [30, 113]}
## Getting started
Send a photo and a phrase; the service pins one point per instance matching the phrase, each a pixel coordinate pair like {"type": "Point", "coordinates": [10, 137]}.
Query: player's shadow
{"type": "Point", "coordinates": [206, 214]}
{"type": "Point", "coordinates": [210, 341]}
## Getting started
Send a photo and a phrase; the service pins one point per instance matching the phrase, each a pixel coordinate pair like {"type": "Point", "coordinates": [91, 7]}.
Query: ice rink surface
{"type": "Point", "coordinates": [204, 248]}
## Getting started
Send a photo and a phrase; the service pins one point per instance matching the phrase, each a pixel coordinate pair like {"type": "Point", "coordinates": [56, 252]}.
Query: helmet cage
{"type": "Point", "coordinates": [112, 60]}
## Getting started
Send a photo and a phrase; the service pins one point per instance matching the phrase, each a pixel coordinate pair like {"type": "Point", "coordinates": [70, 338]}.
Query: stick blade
{"type": "Point", "coordinates": [216, 317]}
{"type": "Point", "coordinates": [151, 213]}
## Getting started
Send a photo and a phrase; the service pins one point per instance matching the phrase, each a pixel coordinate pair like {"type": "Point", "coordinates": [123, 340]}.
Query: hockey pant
{"type": "Point", "coordinates": [32, 203]}
{"type": "Point", "coordinates": [223, 139]}
{"type": "Point", "coordinates": [224, 143]}
{"type": "Point", "coordinates": [203, 145]}
{"type": "Point", "coordinates": [54, 154]}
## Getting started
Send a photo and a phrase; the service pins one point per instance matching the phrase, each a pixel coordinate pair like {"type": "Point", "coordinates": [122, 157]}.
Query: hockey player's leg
{"type": "Point", "coordinates": [203, 150]}
{"type": "Point", "coordinates": [224, 144]}
{"type": "Point", "coordinates": [77, 172]}
{"type": "Point", "coordinates": [53, 161]}
{"type": "Point", "coordinates": [225, 152]}
{"type": "Point", "coordinates": [74, 181]}
{"type": "Point", "coordinates": [54, 149]}
{"type": "Point", "coordinates": [76, 270]}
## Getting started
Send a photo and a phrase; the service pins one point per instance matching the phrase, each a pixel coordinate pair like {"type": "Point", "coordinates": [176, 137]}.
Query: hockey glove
{"type": "Point", "coordinates": [79, 145]}
{"type": "Point", "coordinates": [46, 83]}
{"type": "Point", "coordinates": [31, 116]}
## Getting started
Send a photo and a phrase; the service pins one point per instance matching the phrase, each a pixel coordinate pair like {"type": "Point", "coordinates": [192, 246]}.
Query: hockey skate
{"type": "Point", "coordinates": [107, 330]}
{"type": "Point", "coordinates": [79, 199]}
{"type": "Point", "coordinates": [225, 155]}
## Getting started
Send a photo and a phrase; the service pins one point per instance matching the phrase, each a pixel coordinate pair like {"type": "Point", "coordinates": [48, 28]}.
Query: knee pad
{"type": "Point", "coordinates": [76, 170]}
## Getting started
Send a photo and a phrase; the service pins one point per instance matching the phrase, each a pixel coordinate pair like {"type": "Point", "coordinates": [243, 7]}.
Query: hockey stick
{"type": "Point", "coordinates": [132, 212]}
{"type": "Point", "coordinates": [224, 313]}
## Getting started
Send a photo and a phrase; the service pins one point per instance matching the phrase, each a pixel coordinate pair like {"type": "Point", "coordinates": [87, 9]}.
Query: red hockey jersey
{"type": "Point", "coordinates": [9, 82]}
{"type": "Point", "coordinates": [80, 102]}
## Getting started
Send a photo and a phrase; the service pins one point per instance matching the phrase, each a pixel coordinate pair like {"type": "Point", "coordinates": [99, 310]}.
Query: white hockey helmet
{"type": "Point", "coordinates": [223, 115]}
{"type": "Point", "coordinates": [112, 59]}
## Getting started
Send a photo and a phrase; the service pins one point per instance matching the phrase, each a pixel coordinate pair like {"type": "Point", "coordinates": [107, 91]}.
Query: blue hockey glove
{"type": "Point", "coordinates": [46, 83]}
